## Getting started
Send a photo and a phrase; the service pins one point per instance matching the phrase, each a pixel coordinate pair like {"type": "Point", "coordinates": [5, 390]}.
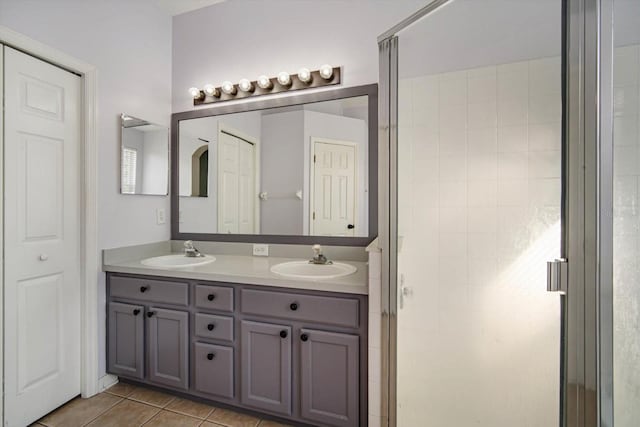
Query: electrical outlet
{"type": "Point", "coordinates": [180, 217]}
{"type": "Point", "coordinates": [261, 250]}
{"type": "Point", "coordinates": [160, 217]}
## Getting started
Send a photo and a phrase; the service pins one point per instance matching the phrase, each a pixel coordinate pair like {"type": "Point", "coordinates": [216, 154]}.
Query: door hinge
{"type": "Point", "coordinates": [558, 276]}
{"type": "Point", "coordinates": [314, 216]}
{"type": "Point", "coordinates": [314, 158]}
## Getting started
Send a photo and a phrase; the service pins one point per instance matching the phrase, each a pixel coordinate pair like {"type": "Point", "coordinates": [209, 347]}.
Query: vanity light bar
{"type": "Point", "coordinates": [284, 82]}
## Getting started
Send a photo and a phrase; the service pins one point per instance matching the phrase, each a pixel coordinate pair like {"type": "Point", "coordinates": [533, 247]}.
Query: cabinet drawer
{"type": "Point", "coordinates": [214, 369]}
{"type": "Point", "coordinates": [329, 310]}
{"type": "Point", "coordinates": [158, 291]}
{"type": "Point", "coordinates": [214, 297]}
{"type": "Point", "coordinates": [214, 327]}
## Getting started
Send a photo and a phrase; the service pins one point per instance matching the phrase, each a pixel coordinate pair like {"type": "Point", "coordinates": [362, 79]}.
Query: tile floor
{"type": "Point", "coordinates": [125, 405]}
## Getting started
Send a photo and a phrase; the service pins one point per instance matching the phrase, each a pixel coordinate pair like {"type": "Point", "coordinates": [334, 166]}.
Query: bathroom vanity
{"type": "Point", "coordinates": [269, 333]}
{"type": "Point", "coordinates": [295, 350]}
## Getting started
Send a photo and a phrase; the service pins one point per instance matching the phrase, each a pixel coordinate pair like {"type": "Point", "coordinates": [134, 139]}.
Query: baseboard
{"type": "Point", "coordinates": [106, 381]}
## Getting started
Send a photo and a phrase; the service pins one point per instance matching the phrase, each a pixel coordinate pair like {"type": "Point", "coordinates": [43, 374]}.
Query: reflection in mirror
{"type": "Point", "coordinates": [144, 165]}
{"type": "Point", "coordinates": [294, 170]}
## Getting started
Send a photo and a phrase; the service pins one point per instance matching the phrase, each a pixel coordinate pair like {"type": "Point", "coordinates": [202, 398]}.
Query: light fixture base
{"type": "Point", "coordinates": [296, 84]}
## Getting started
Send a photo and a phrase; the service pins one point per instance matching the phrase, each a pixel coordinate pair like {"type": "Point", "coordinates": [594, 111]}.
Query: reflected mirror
{"type": "Point", "coordinates": [144, 161]}
{"type": "Point", "coordinates": [301, 169]}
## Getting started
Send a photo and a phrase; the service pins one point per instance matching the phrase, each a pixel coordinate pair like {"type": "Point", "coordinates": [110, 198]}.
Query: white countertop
{"type": "Point", "coordinates": [252, 271]}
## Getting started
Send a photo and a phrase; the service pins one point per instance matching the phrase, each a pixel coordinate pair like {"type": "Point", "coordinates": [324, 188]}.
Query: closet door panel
{"type": "Point", "coordinates": [41, 236]}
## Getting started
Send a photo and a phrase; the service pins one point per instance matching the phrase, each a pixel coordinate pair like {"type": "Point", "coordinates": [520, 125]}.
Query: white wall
{"type": "Point", "coordinates": [130, 44]}
{"type": "Point", "coordinates": [479, 211]}
{"type": "Point", "coordinates": [282, 171]}
{"type": "Point", "coordinates": [155, 175]}
{"type": "Point", "coordinates": [237, 39]}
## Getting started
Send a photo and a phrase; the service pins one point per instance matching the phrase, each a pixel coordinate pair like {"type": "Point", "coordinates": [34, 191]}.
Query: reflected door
{"type": "Point", "coordinates": [479, 196]}
{"type": "Point", "coordinates": [236, 185]}
{"type": "Point", "coordinates": [334, 188]}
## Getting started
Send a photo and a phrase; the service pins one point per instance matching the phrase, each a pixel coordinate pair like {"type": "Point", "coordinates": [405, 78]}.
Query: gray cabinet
{"type": "Point", "coordinates": [126, 340]}
{"type": "Point", "coordinates": [214, 369]}
{"type": "Point", "coordinates": [242, 346]}
{"type": "Point", "coordinates": [168, 344]}
{"type": "Point", "coordinates": [329, 364]}
{"type": "Point", "coordinates": [213, 327]}
{"type": "Point", "coordinates": [266, 366]}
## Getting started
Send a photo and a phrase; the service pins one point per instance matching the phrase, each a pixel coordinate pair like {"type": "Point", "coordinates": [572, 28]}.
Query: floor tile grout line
{"type": "Point", "coordinates": [130, 400]}
{"type": "Point", "coordinates": [189, 415]}
{"type": "Point", "coordinates": [151, 404]}
{"type": "Point", "coordinates": [152, 417]}
{"type": "Point", "coordinates": [105, 411]}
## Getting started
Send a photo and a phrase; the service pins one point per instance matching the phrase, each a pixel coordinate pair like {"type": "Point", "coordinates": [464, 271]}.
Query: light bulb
{"type": "Point", "coordinates": [245, 85]}
{"type": "Point", "coordinates": [211, 90]}
{"type": "Point", "coordinates": [326, 71]}
{"type": "Point", "coordinates": [194, 92]}
{"type": "Point", "coordinates": [264, 82]}
{"type": "Point", "coordinates": [284, 78]}
{"type": "Point", "coordinates": [304, 75]}
{"type": "Point", "coordinates": [228, 88]}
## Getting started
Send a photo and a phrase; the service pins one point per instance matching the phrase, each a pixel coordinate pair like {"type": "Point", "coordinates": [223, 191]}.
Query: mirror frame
{"type": "Point", "coordinates": [370, 90]}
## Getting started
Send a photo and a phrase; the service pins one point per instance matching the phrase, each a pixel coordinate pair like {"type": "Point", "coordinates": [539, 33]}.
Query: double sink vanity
{"type": "Point", "coordinates": [276, 335]}
{"type": "Point", "coordinates": [258, 328]}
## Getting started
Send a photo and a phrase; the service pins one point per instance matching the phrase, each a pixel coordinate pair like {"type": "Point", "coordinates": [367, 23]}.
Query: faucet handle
{"type": "Point", "coordinates": [317, 249]}
{"type": "Point", "coordinates": [188, 244]}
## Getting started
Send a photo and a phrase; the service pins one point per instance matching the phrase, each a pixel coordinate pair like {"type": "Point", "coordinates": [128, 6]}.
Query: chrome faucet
{"type": "Point", "coordinates": [190, 250]}
{"type": "Point", "coordinates": [318, 257]}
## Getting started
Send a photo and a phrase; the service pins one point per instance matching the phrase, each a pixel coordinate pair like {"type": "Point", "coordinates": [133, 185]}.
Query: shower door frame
{"type": "Point", "coordinates": [586, 356]}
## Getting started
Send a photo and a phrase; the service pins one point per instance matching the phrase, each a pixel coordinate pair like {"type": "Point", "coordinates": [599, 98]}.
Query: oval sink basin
{"type": "Point", "coordinates": [306, 270]}
{"type": "Point", "coordinates": [177, 261]}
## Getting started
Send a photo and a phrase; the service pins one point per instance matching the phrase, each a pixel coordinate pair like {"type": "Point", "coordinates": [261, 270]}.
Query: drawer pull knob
{"type": "Point", "coordinates": [283, 334]}
{"type": "Point", "coordinates": [304, 337]}
{"type": "Point", "coordinates": [210, 326]}
{"type": "Point", "coordinates": [151, 313]}
{"type": "Point", "coordinates": [144, 289]}
{"type": "Point", "coordinates": [293, 306]}
{"type": "Point", "coordinates": [136, 311]}
{"type": "Point", "coordinates": [211, 297]}
{"type": "Point", "coordinates": [210, 356]}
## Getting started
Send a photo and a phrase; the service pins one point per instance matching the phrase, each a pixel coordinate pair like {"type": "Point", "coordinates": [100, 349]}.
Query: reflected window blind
{"type": "Point", "coordinates": [129, 161]}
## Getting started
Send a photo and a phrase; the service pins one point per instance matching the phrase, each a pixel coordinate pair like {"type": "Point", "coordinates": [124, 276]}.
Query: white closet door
{"type": "Point", "coordinates": [334, 189]}
{"type": "Point", "coordinates": [1, 230]}
{"type": "Point", "coordinates": [42, 237]}
{"type": "Point", "coordinates": [247, 183]}
{"type": "Point", "coordinates": [228, 181]}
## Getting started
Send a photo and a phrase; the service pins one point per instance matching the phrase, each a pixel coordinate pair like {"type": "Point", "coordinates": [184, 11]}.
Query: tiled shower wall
{"type": "Point", "coordinates": [626, 228]}
{"type": "Point", "coordinates": [479, 210]}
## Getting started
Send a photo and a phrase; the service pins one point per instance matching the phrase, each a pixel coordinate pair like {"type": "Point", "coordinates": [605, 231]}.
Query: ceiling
{"type": "Point", "coordinates": [176, 7]}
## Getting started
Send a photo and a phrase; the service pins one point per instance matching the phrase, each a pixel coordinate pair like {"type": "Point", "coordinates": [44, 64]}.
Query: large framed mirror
{"type": "Point", "coordinates": [297, 169]}
{"type": "Point", "coordinates": [144, 157]}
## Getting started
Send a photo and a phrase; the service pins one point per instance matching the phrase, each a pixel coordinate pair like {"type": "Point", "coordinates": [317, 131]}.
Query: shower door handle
{"type": "Point", "coordinates": [558, 276]}
{"type": "Point", "coordinates": [405, 291]}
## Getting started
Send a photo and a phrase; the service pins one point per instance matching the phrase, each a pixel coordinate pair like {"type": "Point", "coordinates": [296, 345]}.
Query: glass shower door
{"type": "Point", "coordinates": [479, 173]}
{"type": "Point", "coordinates": [626, 215]}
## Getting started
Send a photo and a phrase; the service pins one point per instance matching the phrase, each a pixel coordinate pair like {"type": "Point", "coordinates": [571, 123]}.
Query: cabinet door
{"type": "Point", "coordinates": [168, 347]}
{"type": "Point", "coordinates": [214, 369]}
{"type": "Point", "coordinates": [266, 366]}
{"type": "Point", "coordinates": [126, 340]}
{"type": "Point", "coordinates": [329, 383]}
